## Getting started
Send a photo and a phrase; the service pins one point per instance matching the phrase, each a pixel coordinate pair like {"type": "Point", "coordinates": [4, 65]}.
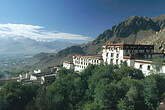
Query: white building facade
{"type": "Point", "coordinates": [136, 55]}
{"type": "Point", "coordinates": [115, 53]}
{"type": "Point", "coordinates": [81, 62]}
{"type": "Point", "coordinates": [68, 65]}
{"type": "Point", "coordinates": [147, 67]}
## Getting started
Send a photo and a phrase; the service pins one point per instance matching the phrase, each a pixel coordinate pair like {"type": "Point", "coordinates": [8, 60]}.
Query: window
{"type": "Point", "coordinates": [148, 67]}
{"type": "Point", "coordinates": [116, 61]}
{"type": "Point", "coordinates": [106, 60]}
{"type": "Point", "coordinates": [112, 48]}
{"type": "Point", "coordinates": [117, 56]}
{"type": "Point", "coordinates": [111, 61]}
{"type": "Point", "coordinates": [106, 54]}
{"type": "Point", "coordinates": [111, 54]}
{"type": "Point", "coordinates": [117, 49]}
{"type": "Point", "coordinates": [140, 66]}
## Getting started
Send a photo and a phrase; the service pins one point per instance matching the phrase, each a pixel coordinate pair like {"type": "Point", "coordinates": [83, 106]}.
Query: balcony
{"type": "Point", "coordinates": [131, 56]}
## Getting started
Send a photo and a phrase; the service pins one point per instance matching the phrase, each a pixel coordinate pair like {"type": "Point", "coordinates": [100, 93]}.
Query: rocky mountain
{"type": "Point", "coordinates": [132, 30]}
{"type": "Point", "coordinates": [30, 46]}
{"type": "Point", "coordinates": [157, 39]}
{"type": "Point", "coordinates": [160, 20]}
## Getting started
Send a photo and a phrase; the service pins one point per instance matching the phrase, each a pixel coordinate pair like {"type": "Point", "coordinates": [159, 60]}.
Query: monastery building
{"type": "Point", "coordinates": [136, 55]}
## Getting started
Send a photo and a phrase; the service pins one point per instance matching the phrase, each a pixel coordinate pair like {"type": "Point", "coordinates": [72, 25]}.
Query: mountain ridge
{"type": "Point", "coordinates": [30, 46]}
{"type": "Point", "coordinates": [131, 30]}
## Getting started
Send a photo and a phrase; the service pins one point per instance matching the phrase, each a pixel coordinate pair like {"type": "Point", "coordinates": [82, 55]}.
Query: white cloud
{"type": "Point", "coordinates": [36, 32]}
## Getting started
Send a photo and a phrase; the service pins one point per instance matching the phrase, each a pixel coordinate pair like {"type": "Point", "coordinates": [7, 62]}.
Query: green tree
{"type": "Point", "coordinates": [1, 74]}
{"type": "Point", "coordinates": [157, 64]}
{"type": "Point", "coordinates": [100, 87]}
{"type": "Point", "coordinates": [131, 93]}
{"type": "Point", "coordinates": [15, 96]}
{"type": "Point", "coordinates": [92, 106]}
{"type": "Point", "coordinates": [40, 102]}
{"type": "Point", "coordinates": [65, 92]}
{"type": "Point", "coordinates": [107, 71]}
{"type": "Point", "coordinates": [122, 105]}
{"type": "Point", "coordinates": [126, 71]}
{"type": "Point", "coordinates": [154, 87]}
{"type": "Point", "coordinates": [106, 94]}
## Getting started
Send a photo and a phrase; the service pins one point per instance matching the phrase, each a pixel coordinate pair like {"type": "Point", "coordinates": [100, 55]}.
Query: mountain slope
{"type": "Point", "coordinates": [160, 20]}
{"type": "Point", "coordinates": [52, 59]}
{"type": "Point", "coordinates": [157, 39]}
{"type": "Point", "coordinates": [131, 30]}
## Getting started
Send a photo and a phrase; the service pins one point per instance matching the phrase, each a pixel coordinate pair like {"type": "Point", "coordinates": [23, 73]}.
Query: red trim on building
{"type": "Point", "coordinates": [125, 46]}
{"type": "Point", "coordinates": [94, 57]}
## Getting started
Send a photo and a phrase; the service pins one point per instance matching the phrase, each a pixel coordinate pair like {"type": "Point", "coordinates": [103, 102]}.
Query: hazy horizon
{"type": "Point", "coordinates": [77, 21]}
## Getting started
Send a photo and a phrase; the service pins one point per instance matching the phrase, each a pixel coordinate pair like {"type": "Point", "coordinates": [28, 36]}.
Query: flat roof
{"type": "Point", "coordinates": [41, 74]}
{"type": "Point", "coordinates": [94, 57]}
{"type": "Point", "coordinates": [154, 53]}
{"type": "Point", "coordinates": [146, 61]}
{"type": "Point", "coordinates": [126, 44]}
{"type": "Point", "coordinates": [50, 75]}
{"type": "Point", "coordinates": [68, 62]}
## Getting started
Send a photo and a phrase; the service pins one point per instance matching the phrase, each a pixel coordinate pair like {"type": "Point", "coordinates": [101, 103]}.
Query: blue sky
{"type": "Point", "coordinates": [71, 20]}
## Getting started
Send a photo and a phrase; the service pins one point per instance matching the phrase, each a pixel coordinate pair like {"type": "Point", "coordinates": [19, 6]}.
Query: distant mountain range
{"type": "Point", "coordinates": [30, 46]}
{"type": "Point", "coordinates": [132, 30]}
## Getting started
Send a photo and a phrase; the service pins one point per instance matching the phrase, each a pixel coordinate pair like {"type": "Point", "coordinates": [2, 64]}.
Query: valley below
{"type": "Point", "coordinates": [13, 62]}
